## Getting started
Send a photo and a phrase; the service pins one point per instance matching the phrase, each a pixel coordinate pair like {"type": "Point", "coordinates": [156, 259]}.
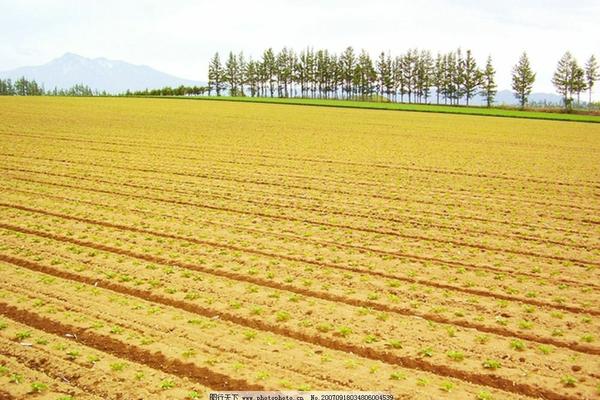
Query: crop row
{"type": "Point", "coordinates": [212, 343]}
{"type": "Point", "coordinates": [323, 319]}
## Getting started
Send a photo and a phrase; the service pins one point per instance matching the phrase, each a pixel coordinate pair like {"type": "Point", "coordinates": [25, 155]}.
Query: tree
{"type": "Point", "coordinates": [269, 69]}
{"type": "Point", "coordinates": [438, 76]}
{"type": "Point", "coordinates": [242, 68]}
{"type": "Point", "coordinates": [215, 75]}
{"type": "Point", "coordinates": [458, 76]}
{"type": "Point", "coordinates": [562, 78]}
{"type": "Point", "coordinates": [488, 82]}
{"type": "Point", "coordinates": [522, 79]}
{"type": "Point", "coordinates": [591, 75]}
{"type": "Point", "coordinates": [252, 77]}
{"type": "Point", "coordinates": [471, 77]}
{"type": "Point", "coordinates": [347, 65]}
{"type": "Point", "coordinates": [409, 69]}
{"type": "Point", "coordinates": [578, 79]}
{"type": "Point", "coordinates": [366, 75]}
{"type": "Point", "coordinates": [424, 80]}
{"type": "Point", "coordinates": [232, 74]}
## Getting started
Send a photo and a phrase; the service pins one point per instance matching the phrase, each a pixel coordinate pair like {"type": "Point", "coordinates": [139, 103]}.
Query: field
{"type": "Point", "coordinates": [432, 108]}
{"type": "Point", "coordinates": [160, 249]}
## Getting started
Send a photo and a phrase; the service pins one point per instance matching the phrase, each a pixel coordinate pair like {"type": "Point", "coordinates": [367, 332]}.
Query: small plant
{"type": "Point", "coordinates": [455, 355]}
{"type": "Point", "coordinates": [16, 378]}
{"type": "Point", "coordinates": [395, 344]}
{"type": "Point", "coordinates": [3, 370]}
{"type": "Point", "coordinates": [451, 331]}
{"type": "Point", "coordinates": [545, 349]}
{"type": "Point", "coordinates": [73, 354]}
{"type": "Point", "coordinates": [446, 386]}
{"type": "Point", "coordinates": [282, 316]}
{"type": "Point", "coordinates": [517, 345]}
{"type": "Point", "coordinates": [568, 381]}
{"type": "Point", "coordinates": [256, 310]}
{"type": "Point", "coordinates": [324, 327]}
{"type": "Point", "coordinates": [117, 330]}
{"type": "Point", "coordinates": [262, 375]}
{"type": "Point", "coordinates": [587, 338]}
{"type": "Point", "coordinates": [525, 324]}
{"type": "Point", "coordinates": [167, 384]}
{"type": "Point", "coordinates": [93, 358]}
{"type": "Point", "coordinates": [189, 353]}
{"type": "Point", "coordinates": [193, 395]}
{"type": "Point", "coordinates": [484, 395]}
{"type": "Point", "coordinates": [139, 375]}
{"type": "Point", "coordinates": [397, 376]}
{"type": "Point", "coordinates": [42, 342]}
{"type": "Point", "coordinates": [371, 339]}
{"type": "Point", "coordinates": [383, 316]}
{"type": "Point", "coordinates": [118, 366]}
{"type": "Point", "coordinates": [491, 364]}
{"type": "Point", "coordinates": [426, 352]}
{"type": "Point", "coordinates": [249, 335]}
{"type": "Point", "coordinates": [3, 325]}
{"type": "Point", "coordinates": [38, 387]}
{"type": "Point", "coordinates": [482, 339]}
{"type": "Point", "coordinates": [22, 335]}
{"type": "Point", "coordinates": [344, 331]}
{"type": "Point", "coordinates": [529, 309]}
{"type": "Point", "coordinates": [422, 382]}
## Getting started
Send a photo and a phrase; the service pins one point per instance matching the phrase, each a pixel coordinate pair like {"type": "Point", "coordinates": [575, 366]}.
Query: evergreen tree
{"type": "Point", "coordinates": [578, 79]}
{"type": "Point", "coordinates": [488, 83]}
{"type": "Point", "coordinates": [347, 65]}
{"type": "Point", "coordinates": [269, 69]}
{"type": "Point", "coordinates": [231, 75]}
{"type": "Point", "coordinates": [409, 69]}
{"type": "Point", "coordinates": [242, 68]}
{"type": "Point", "coordinates": [591, 75]}
{"type": "Point", "coordinates": [438, 76]}
{"type": "Point", "coordinates": [398, 78]}
{"type": "Point", "coordinates": [522, 80]}
{"type": "Point", "coordinates": [252, 77]}
{"type": "Point", "coordinates": [471, 77]}
{"type": "Point", "coordinates": [385, 78]}
{"type": "Point", "coordinates": [458, 76]}
{"type": "Point", "coordinates": [215, 75]}
{"type": "Point", "coordinates": [366, 75]}
{"type": "Point", "coordinates": [563, 77]}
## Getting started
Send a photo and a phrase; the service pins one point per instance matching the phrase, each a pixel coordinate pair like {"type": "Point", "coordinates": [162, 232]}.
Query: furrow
{"type": "Point", "coordinates": [592, 184]}
{"type": "Point", "coordinates": [214, 380]}
{"type": "Point", "coordinates": [127, 351]}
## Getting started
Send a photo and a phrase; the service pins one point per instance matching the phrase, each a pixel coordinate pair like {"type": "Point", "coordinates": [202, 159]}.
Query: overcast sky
{"type": "Point", "coordinates": [179, 36]}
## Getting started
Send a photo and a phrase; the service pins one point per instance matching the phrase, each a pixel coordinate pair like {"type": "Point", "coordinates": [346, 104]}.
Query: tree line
{"type": "Point", "coordinates": [570, 79]}
{"type": "Point", "coordinates": [26, 87]}
{"type": "Point", "coordinates": [415, 76]}
{"type": "Point", "coordinates": [171, 91]}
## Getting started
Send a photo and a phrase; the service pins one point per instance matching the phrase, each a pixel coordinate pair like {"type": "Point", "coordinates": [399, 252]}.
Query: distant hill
{"type": "Point", "coordinates": [508, 97]}
{"type": "Point", "coordinates": [100, 74]}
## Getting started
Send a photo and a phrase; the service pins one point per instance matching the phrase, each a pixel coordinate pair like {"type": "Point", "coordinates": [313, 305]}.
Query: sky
{"type": "Point", "coordinates": [179, 36]}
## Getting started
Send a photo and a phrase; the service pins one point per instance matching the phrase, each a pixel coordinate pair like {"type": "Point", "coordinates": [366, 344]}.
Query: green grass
{"type": "Point", "coordinates": [481, 111]}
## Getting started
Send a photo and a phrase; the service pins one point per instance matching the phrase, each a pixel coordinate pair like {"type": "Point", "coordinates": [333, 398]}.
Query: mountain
{"type": "Point", "coordinates": [508, 97]}
{"type": "Point", "coordinates": [99, 74]}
